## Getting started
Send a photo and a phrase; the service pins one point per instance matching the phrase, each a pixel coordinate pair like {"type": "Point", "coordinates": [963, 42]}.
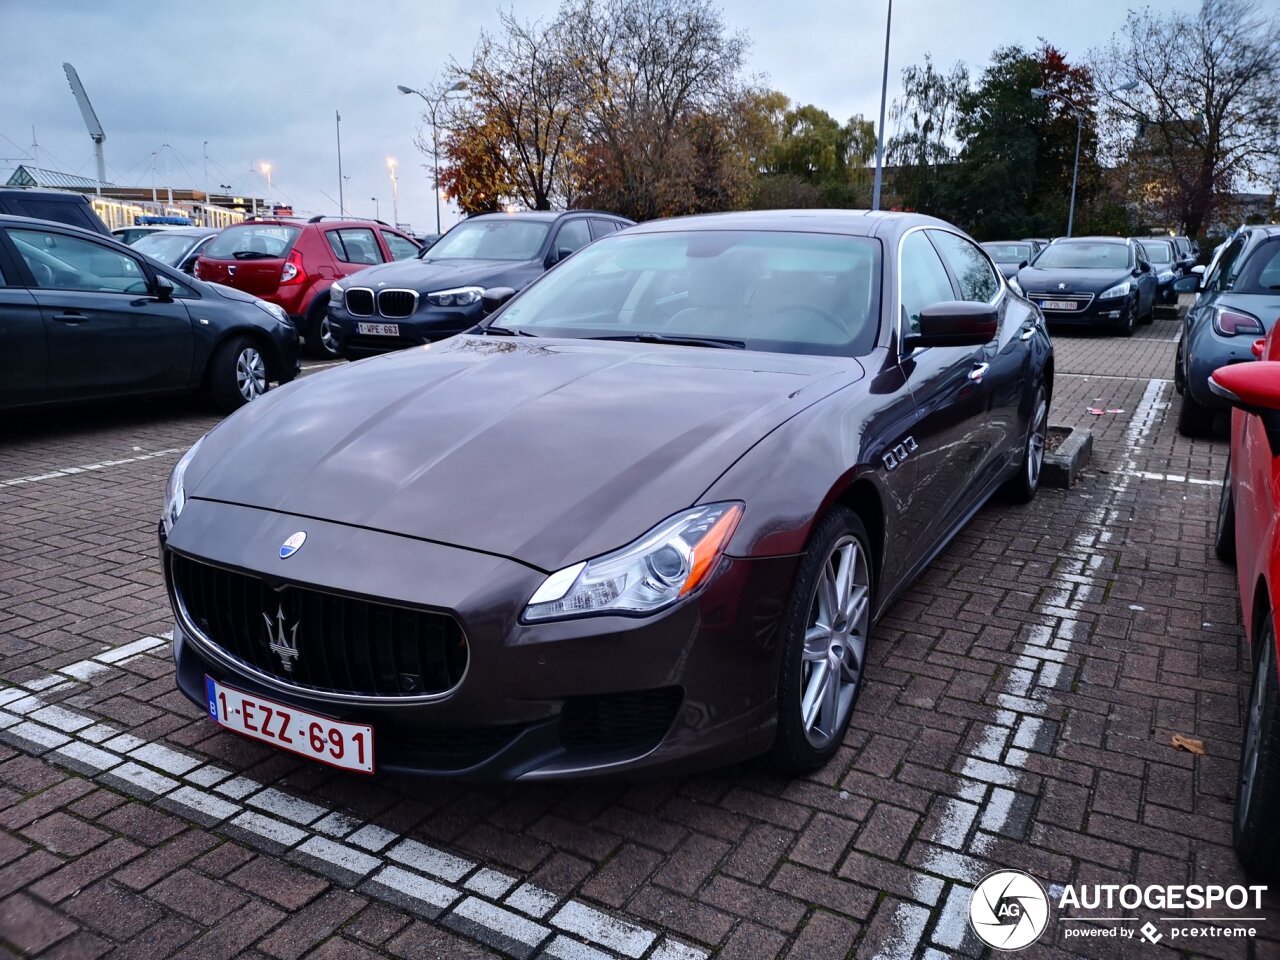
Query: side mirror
{"type": "Point", "coordinates": [1252, 387]}
{"type": "Point", "coordinates": [1198, 269]}
{"type": "Point", "coordinates": [1023, 264]}
{"type": "Point", "coordinates": [163, 289]}
{"type": "Point", "coordinates": [1144, 267]}
{"type": "Point", "coordinates": [1188, 284]}
{"type": "Point", "coordinates": [558, 255]}
{"type": "Point", "coordinates": [495, 297]}
{"type": "Point", "coordinates": [954, 323]}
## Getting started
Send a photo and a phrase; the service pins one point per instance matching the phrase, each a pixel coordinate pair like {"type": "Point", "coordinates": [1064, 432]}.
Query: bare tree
{"type": "Point", "coordinates": [1205, 117]}
{"type": "Point", "coordinates": [925, 142]}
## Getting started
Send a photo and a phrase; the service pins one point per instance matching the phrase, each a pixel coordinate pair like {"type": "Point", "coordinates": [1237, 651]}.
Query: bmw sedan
{"type": "Point", "coordinates": [646, 515]}
{"type": "Point", "coordinates": [1091, 281]}
{"type": "Point", "coordinates": [84, 317]}
{"type": "Point", "coordinates": [439, 294]}
{"type": "Point", "coordinates": [1238, 302]}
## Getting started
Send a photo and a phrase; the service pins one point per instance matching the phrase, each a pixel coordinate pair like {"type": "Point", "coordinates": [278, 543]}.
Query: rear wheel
{"type": "Point", "coordinates": [1194, 420]}
{"type": "Point", "coordinates": [1023, 485]}
{"type": "Point", "coordinates": [1256, 826]}
{"type": "Point", "coordinates": [824, 656]}
{"type": "Point", "coordinates": [1224, 537]}
{"type": "Point", "coordinates": [321, 340]}
{"type": "Point", "coordinates": [1179, 377]}
{"type": "Point", "coordinates": [237, 373]}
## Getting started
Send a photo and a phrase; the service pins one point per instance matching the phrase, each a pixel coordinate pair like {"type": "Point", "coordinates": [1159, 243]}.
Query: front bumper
{"type": "Point", "coordinates": [426, 325]}
{"type": "Point", "coordinates": [691, 686]}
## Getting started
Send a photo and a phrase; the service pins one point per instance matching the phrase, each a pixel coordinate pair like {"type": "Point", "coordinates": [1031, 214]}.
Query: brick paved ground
{"type": "Point", "coordinates": [1018, 713]}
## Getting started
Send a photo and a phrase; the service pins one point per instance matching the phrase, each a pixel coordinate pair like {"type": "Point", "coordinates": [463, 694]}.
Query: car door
{"type": "Point", "coordinates": [399, 247]}
{"type": "Point", "coordinates": [106, 332]}
{"type": "Point", "coordinates": [24, 354]}
{"type": "Point", "coordinates": [1007, 358]}
{"type": "Point", "coordinates": [354, 248]}
{"type": "Point", "coordinates": [949, 437]}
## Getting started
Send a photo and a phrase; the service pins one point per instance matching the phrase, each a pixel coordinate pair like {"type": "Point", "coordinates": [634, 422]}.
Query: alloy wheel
{"type": "Point", "coordinates": [1036, 441]}
{"type": "Point", "coordinates": [835, 641]}
{"type": "Point", "coordinates": [251, 373]}
{"type": "Point", "coordinates": [327, 337]}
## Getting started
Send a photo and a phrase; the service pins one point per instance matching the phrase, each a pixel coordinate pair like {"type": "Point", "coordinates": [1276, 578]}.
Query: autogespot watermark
{"type": "Point", "coordinates": [1010, 910]}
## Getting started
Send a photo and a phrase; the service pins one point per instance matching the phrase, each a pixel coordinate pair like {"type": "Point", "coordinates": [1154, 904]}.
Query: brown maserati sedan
{"type": "Point", "coordinates": [645, 514]}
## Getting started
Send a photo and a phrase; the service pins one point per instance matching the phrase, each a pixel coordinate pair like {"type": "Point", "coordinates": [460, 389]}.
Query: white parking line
{"type": "Point", "coordinates": [87, 467]}
{"type": "Point", "coordinates": [515, 918]}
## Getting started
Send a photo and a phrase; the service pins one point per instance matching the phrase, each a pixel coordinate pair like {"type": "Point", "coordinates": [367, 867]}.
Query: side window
{"type": "Point", "coordinates": [355, 245]}
{"type": "Point", "coordinates": [969, 265]}
{"type": "Point", "coordinates": [401, 249]}
{"type": "Point", "coordinates": [573, 236]}
{"type": "Point", "coordinates": [59, 262]}
{"type": "Point", "coordinates": [602, 228]}
{"type": "Point", "coordinates": [924, 279]}
{"type": "Point", "coordinates": [1224, 275]}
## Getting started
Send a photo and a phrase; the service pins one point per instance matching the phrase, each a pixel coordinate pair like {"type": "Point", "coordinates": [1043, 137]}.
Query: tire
{"type": "Point", "coordinates": [1179, 377]}
{"type": "Point", "coordinates": [1129, 322]}
{"type": "Point", "coordinates": [238, 373]}
{"type": "Point", "coordinates": [1194, 420]}
{"type": "Point", "coordinates": [1224, 535]}
{"type": "Point", "coordinates": [839, 543]}
{"type": "Point", "coordinates": [1256, 825]}
{"type": "Point", "coordinates": [320, 342]}
{"type": "Point", "coordinates": [1151, 313]}
{"type": "Point", "coordinates": [1022, 487]}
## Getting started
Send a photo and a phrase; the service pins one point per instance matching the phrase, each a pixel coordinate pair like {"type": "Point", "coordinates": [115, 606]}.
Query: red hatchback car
{"type": "Point", "coordinates": [293, 263]}
{"type": "Point", "coordinates": [1248, 534]}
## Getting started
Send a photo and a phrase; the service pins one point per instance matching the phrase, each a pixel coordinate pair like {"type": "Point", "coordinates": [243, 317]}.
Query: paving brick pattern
{"type": "Point", "coordinates": [1018, 712]}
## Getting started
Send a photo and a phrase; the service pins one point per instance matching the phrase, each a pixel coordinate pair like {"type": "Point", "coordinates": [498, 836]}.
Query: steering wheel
{"type": "Point", "coordinates": [42, 272]}
{"type": "Point", "coordinates": [821, 313]}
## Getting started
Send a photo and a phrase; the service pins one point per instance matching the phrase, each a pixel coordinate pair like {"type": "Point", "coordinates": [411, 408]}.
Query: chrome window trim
{"type": "Point", "coordinates": [213, 651]}
{"type": "Point", "coordinates": [1001, 288]}
{"type": "Point", "coordinates": [378, 302]}
{"type": "Point", "coordinates": [372, 296]}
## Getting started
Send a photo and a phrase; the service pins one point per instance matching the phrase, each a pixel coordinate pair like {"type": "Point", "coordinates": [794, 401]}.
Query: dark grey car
{"type": "Point", "coordinates": [1239, 302]}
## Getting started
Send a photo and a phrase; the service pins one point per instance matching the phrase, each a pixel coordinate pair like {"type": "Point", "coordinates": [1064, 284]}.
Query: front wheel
{"type": "Point", "coordinates": [1224, 537]}
{"type": "Point", "coordinates": [1023, 485]}
{"type": "Point", "coordinates": [321, 341]}
{"type": "Point", "coordinates": [1129, 322]}
{"type": "Point", "coordinates": [237, 373]}
{"type": "Point", "coordinates": [1256, 825]}
{"type": "Point", "coordinates": [825, 645]}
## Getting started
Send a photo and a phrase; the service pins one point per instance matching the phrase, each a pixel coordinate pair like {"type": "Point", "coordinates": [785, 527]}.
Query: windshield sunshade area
{"type": "Point", "coordinates": [770, 291]}
{"type": "Point", "coordinates": [261, 241]}
{"type": "Point", "coordinates": [1084, 255]}
{"type": "Point", "coordinates": [493, 239]}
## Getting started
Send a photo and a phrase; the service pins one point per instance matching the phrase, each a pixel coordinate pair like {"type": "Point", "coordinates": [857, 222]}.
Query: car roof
{"type": "Point", "coordinates": [1124, 240]}
{"type": "Point", "coordinates": [863, 223]}
{"type": "Point", "coordinates": [14, 220]}
{"type": "Point", "coordinates": [544, 215]}
{"type": "Point", "coordinates": [192, 231]}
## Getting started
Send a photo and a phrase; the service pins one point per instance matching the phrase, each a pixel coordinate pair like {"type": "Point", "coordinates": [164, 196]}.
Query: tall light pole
{"type": "Point", "coordinates": [433, 104]}
{"type": "Point", "coordinates": [377, 214]}
{"type": "Point", "coordinates": [271, 210]}
{"type": "Point", "coordinates": [1040, 93]}
{"type": "Point", "coordinates": [395, 192]}
{"type": "Point", "coordinates": [884, 94]}
{"type": "Point", "coordinates": [342, 206]}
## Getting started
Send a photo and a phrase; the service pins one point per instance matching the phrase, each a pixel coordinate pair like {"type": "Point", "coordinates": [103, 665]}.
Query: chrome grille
{"type": "Point", "coordinates": [397, 304]}
{"type": "Point", "coordinates": [360, 302]}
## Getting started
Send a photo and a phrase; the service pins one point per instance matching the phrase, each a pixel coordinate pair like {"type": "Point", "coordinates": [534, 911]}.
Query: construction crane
{"type": "Point", "coordinates": [96, 133]}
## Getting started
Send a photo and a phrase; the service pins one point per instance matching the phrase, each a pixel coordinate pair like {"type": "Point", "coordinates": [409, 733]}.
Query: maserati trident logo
{"type": "Point", "coordinates": [284, 639]}
{"type": "Point", "coordinates": [293, 544]}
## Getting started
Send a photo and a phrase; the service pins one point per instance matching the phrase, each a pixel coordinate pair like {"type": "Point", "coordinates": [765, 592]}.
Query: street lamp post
{"type": "Point", "coordinates": [395, 192]}
{"type": "Point", "coordinates": [377, 214]}
{"type": "Point", "coordinates": [434, 105]}
{"type": "Point", "coordinates": [884, 93]}
{"type": "Point", "coordinates": [266, 169]}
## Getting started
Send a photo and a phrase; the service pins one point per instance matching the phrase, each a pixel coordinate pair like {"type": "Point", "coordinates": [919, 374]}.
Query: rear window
{"type": "Point", "coordinates": [259, 241]}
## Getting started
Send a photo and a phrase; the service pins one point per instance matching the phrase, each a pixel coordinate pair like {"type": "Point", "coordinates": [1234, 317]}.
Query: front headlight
{"type": "Point", "coordinates": [1165, 276]}
{"type": "Point", "coordinates": [175, 497]}
{"type": "Point", "coordinates": [1121, 289]}
{"type": "Point", "coordinates": [669, 562]}
{"type": "Point", "coordinates": [337, 295]}
{"type": "Point", "coordinates": [459, 297]}
{"type": "Point", "coordinates": [276, 311]}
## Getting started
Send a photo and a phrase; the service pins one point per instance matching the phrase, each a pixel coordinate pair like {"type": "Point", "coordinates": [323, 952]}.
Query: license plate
{"type": "Point", "coordinates": [1057, 304]}
{"type": "Point", "coordinates": [379, 329]}
{"type": "Point", "coordinates": [345, 745]}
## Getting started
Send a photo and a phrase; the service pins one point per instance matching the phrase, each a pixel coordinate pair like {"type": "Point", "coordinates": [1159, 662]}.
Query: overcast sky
{"type": "Point", "coordinates": [260, 81]}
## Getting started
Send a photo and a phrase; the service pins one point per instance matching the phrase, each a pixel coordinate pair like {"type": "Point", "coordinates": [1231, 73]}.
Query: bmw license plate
{"type": "Point", "coordinates": [379, 329]}
{"type": "Point", "coordinates": [345, 745]}
{"type": "Point", "coordinates": [1057, 304]}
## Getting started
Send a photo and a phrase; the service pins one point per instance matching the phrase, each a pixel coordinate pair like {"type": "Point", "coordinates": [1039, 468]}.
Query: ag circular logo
{"type": "Point", "coordinates": [1009, 910]}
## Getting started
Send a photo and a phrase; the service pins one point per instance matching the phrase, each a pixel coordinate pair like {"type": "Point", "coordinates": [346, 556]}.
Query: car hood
{"type": "Point", "coordinates": [427, 277]}
{"type": "Point", "coordinates": [548, 451]}
{"type": "Point", "coordinates": [1035, 279]}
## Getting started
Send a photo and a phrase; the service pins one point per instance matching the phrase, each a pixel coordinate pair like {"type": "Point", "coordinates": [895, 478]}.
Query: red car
{"type": "Point", "coordinates": [1248, 534]}
{"type": "Point", "coordinates": [293, 263]}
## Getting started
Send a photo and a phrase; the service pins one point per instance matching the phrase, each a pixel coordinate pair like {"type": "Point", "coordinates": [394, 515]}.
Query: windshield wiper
{"type": "Point", "coordinates": [254, 255]}
{"type": "Point", "coordinates": [496, 331]}
{"type": "Point", "coordinates": [722, 342]}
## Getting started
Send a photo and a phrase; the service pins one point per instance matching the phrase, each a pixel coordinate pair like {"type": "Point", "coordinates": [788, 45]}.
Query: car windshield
{"type": "Point", "coordinates": [1084, 255]}
{"type": "Point", "coordinates": [768, 291]}
{"type": "Point", "coordinates": [165, 246]}
{"type": "Point", "coordinates": [1008, 252]}
{"type": "Point", "coordinates": [491, 239]}
{"type": "Point", "coordinates": [1158, 251]}
{"type": "Point", "coordinates": [258, 241]}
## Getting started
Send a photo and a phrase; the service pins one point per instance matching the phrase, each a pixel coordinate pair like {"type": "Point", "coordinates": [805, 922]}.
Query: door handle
{"type": "Point", "coordinates": [70, 316]}
{"type": "Point", "coordinates": [979, 371]}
